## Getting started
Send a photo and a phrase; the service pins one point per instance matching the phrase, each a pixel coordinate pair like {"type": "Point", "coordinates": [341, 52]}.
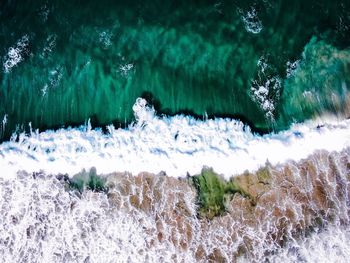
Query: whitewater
{"type": "Point", "coordinates": [178, 145]}
{"type": "Point", "coordinates": [149, 217]}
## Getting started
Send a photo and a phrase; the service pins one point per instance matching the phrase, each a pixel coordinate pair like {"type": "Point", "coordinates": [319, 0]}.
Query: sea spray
{"type": "Point", "coordinates": [3, 126]}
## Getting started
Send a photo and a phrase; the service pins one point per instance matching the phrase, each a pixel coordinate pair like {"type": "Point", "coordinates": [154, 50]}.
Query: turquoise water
{"type": "Point", "coordinates": [268, 63]}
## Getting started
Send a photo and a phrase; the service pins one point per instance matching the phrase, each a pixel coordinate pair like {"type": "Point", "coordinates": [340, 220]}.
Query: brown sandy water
{"type": "Point", "coordinates": [295, 211]}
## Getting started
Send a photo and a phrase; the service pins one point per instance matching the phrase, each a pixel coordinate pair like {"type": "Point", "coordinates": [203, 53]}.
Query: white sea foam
{"type": "Point", "coordinates": [251, 21]}
{"type": "Point", "coordinates": [177, 145]}
{"type": "Point", "coordinates": [105, 38]}
{"type": "Point", "coordinates": [15, 54]}
{"type": "Point", "coordinates": [124, 69]}
{"type": "Point", "coordinates": [330, 245]}
{"type": "Point", "coordinates": [292, 67]}
{"type": "Point", "coordinates": [43, 222]}
{"type": "Point", "coordinates": [266, 88]}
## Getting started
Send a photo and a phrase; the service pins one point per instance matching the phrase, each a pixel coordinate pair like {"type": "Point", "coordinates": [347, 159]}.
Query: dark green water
{"type": "Point", "coordinates": [65, 62]}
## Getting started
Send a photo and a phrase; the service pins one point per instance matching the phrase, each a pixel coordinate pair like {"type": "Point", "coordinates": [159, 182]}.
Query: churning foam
{"type": "Point", "coordinates": [152, 218]}
{"type": "Point", "coordinates": [176, 145]}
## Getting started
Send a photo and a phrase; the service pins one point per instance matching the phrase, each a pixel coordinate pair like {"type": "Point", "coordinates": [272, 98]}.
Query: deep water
{"type": "Point", "coordinates": [267, 63]}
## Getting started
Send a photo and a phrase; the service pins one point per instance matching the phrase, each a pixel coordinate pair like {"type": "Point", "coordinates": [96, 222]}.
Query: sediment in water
{"type": "Point", "coordinates": [148, 217]}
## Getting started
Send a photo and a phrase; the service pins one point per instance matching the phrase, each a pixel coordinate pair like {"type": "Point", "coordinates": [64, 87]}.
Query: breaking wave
{"type": "Point", "coordinates": [176, 145]}
{"type": "Point", "coordinates": [293, 212]}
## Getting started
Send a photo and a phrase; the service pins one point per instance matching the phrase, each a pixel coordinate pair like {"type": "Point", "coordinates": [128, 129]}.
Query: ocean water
{"type": "Point", "coordinates": [267, 63]}
{"type": "Point", "coordinates": [145, 96]}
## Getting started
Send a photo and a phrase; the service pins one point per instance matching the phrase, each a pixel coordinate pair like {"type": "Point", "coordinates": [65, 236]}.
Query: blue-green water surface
{"type": "Point", "coordinates": [268, 63]}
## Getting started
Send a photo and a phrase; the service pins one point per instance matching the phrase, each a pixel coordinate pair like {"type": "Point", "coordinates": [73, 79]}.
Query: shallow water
{"type": "Point", "coordinates": [299, 214]}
